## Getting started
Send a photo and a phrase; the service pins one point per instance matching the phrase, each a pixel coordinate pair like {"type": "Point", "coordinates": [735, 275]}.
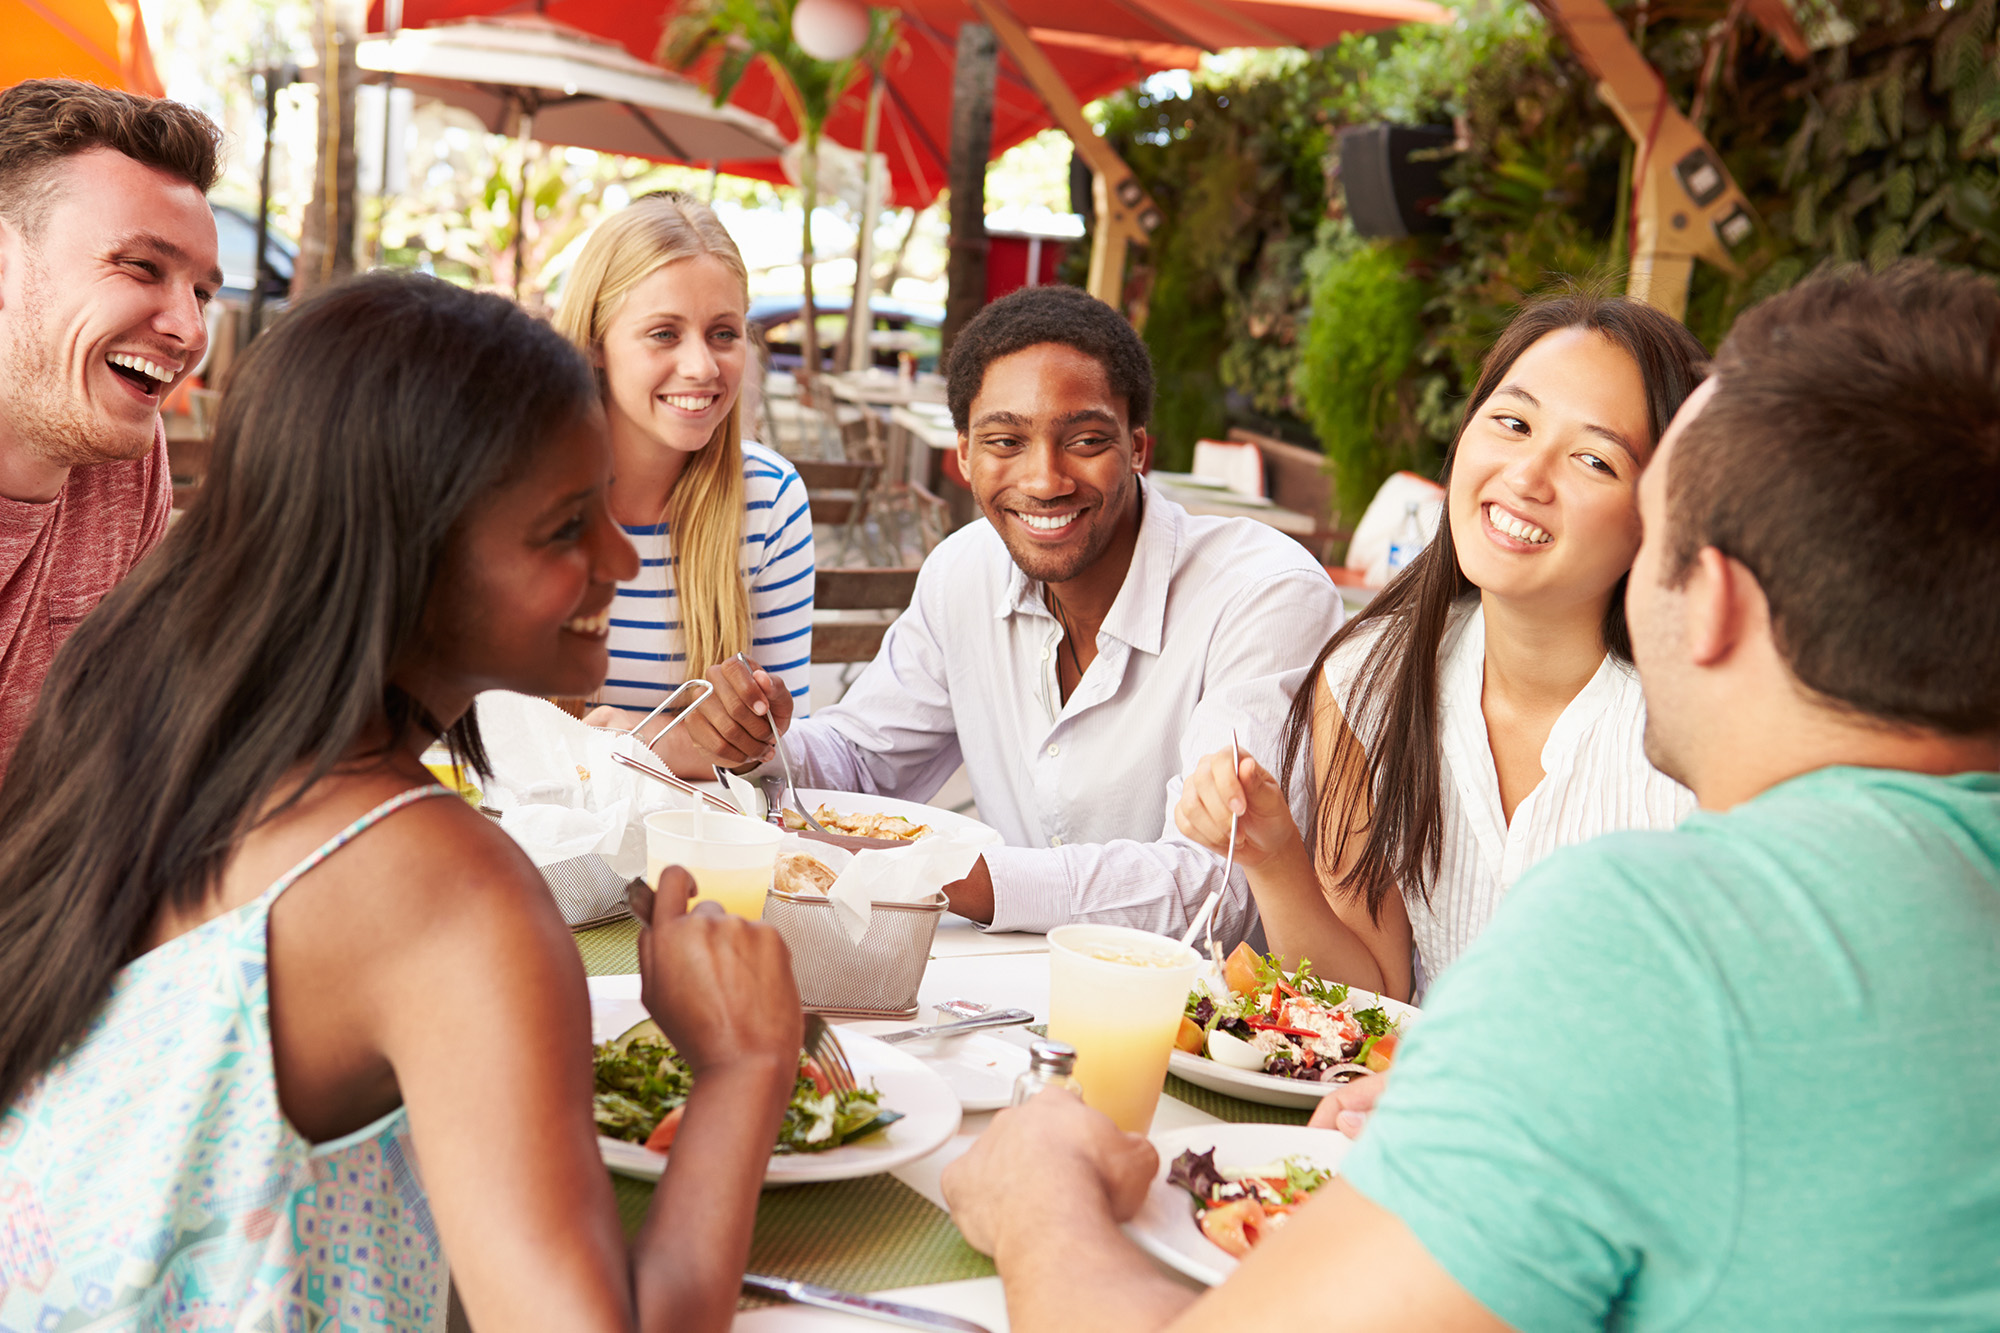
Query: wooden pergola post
{"type": "Point", "coordinates": [1686, 206]}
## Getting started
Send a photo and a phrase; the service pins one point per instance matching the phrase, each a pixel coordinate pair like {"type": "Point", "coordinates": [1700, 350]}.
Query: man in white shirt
{"type": "Point", "coordinates": [1077, 651]}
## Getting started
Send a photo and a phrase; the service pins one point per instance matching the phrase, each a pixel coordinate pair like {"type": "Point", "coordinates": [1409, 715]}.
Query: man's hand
{"type": "Point", "coordinates": [1053, 1153]}
{"type": "Point", "coordinates": [720, 987]}
{"type": "Point", "coordinates": [1218, 787]}
{"type": "Point", "coordinates": [1346, 1108]}
{"type": "Point", "coordinates": [972, 897]}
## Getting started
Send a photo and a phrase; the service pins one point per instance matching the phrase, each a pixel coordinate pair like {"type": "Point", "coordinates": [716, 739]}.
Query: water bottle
{"type": "Point", "coordinates": [1051, 1064]}
{"type": "Point", "coordinates": [1409, 540]}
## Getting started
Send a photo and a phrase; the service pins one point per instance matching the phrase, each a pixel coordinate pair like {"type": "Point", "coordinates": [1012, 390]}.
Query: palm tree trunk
{"type": "Point", "coordinates": [326, 241]}
{"type": "Point", "coordinates": [809, 188]}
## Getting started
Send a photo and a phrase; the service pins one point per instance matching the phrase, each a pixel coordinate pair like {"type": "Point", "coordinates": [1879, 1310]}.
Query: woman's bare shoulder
{"type": "Point", "coordinates": [434, 859]}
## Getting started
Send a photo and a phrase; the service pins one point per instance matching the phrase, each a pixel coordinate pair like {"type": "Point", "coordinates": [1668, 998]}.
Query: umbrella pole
{"type": "Point", "coordinates": [974, 70]}
{"type": "Point", "coordinates": [392, 23]}
{"type": "Point", "coordinates": [860, 318]}
{"type": "Point", "coordinates": [272, 78]}
{"type": "Point", "coordinates": [521, 204]}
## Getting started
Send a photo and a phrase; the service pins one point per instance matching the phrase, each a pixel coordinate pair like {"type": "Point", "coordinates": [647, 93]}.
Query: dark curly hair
{"type": "Point", "coordinates": [44, 121]}
{"type": "Point", "coordinates": [1036, 315]}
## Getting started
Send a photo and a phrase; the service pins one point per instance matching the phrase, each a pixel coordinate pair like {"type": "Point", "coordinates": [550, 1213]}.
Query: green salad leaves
{"type": "Point", "coordinates": [642, 1081]}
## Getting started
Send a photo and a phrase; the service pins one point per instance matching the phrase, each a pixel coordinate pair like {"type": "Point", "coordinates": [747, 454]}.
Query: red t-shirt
{"type": "Point", "coordinates": [58, 559]}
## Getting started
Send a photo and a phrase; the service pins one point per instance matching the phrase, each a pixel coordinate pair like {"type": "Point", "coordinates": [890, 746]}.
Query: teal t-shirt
{"type": "Point", "coordinates": [1740, 1076]}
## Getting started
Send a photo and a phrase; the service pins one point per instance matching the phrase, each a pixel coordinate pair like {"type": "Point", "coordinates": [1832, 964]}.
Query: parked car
{"type": "Point", "coordinates": [900, 326]}
{"type": "Point", "coordinates": [236, 234]}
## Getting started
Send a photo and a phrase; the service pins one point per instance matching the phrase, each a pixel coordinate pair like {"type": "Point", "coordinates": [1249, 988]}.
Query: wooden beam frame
{"type": "Point", "coordinates": [1126, 214]}
{"type": "Point", "coordinates": [1686, 205]}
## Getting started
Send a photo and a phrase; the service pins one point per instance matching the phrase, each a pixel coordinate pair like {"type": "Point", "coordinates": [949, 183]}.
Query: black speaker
{"type": "Point", "coordinates": [1393, 177]}
{"type": "Point", "coordinates": [1081, 200]}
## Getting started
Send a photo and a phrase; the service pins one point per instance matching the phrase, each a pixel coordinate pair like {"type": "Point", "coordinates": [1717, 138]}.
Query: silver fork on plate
{"type": "Point", "coordinates": [785, 762]}
{"type": "Point", "coordinates": [824, 1048]}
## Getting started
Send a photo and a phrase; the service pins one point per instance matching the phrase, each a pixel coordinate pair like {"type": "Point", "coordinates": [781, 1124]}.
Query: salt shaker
{"type": "Point", "coordinates": [1051, 1064]}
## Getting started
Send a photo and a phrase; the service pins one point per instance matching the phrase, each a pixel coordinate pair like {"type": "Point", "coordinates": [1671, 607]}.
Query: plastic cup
{"type": "Point", "coordinates": [438, 760]}
{"type": "Point", "coordinates": [1116, 995]}
{"type": "Point", "coordinates": [730, 856]}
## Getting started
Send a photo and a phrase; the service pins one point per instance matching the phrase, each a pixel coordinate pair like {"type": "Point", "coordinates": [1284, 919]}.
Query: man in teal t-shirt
{"type": "Point", "coordinates": [1741, 1076]}
{"type": "Point", "coordinates": [1719, 1077]}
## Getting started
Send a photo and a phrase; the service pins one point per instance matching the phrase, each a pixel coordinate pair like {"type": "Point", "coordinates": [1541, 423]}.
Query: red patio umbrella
{"type": "Point", "coordinates": [1097, 46]}
{"type": "Point", "coordinates": [98, 41]}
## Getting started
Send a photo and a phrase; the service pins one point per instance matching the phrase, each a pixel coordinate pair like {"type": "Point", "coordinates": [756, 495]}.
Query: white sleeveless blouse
{"type": "Point", "coordinates": [1596, 779]}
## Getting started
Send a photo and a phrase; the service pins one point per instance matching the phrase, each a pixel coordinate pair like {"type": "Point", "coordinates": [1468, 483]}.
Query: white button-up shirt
{"type": "Point", "coordinates": [1211, 613]}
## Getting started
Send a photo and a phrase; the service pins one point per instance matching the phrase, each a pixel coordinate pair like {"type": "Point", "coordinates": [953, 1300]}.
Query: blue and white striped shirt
{"type": "Point", "coordinates": [648, 655]}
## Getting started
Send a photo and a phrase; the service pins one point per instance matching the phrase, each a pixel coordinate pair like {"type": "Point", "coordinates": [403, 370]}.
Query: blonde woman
{"type": "Point", "coordinates": [657, 301]}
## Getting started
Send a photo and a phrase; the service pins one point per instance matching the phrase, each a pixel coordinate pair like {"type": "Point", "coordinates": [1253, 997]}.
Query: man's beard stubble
{"type": "Point", "coordinates": [37, 404]}
{"type": "Point", "coordinates": [1106, 530]}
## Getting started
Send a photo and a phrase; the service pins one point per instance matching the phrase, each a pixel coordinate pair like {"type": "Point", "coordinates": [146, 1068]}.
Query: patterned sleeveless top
{"type": "Point", "coordinates": [150, 1180]}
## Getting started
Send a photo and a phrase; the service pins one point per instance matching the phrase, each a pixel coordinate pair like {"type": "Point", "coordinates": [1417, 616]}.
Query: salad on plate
{"type": "Point", "coordinates": [1266, 1020]}
{"type": "Point", "coordinates": [1235, 1209]}
{"type": "Point", "coordinates": [643, 1085]}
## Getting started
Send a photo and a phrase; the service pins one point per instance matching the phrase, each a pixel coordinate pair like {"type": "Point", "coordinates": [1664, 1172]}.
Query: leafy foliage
{"type": "Point", "coordinates": [1361, 344]}
{"type": "Point", "coordinates": [1885, 143]}
{"type": "Point", "coordinates": [1237, 169]}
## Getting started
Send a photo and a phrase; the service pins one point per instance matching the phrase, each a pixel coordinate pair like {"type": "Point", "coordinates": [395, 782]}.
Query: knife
{"type": "Point", "coordinates": [847, 1302]}
{"type": "Point", "coordinates": [993, 1018]}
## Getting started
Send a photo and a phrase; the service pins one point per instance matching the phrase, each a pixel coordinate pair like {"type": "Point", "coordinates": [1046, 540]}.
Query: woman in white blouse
{"type": "Point", "coordinates": [1483, 710]}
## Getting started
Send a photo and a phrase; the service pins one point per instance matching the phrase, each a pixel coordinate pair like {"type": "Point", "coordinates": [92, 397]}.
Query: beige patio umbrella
{"type": "Point", "coordinates": [530, 77]}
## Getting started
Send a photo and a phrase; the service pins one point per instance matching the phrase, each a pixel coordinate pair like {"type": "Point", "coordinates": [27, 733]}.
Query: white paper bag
{"type": "Point", "coordinates": [557, 789]}
{"type": "Point", "coordinates": [908, 874]}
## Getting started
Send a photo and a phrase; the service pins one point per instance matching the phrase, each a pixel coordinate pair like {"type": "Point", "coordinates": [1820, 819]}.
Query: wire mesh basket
{"type": "Point", "coordinates": [587, 889]}
{"type": "Point", "coordinates": [877, 978]}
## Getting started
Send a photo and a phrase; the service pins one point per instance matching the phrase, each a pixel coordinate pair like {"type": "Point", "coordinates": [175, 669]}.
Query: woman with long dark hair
{"type": "Point", "coordinates": [284, 1028]}
{"type": "Point", "coordinates": [1482, 710]}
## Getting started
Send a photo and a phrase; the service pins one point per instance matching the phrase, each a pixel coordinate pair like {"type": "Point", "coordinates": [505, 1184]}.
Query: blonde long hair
{"type": "Point", "coordinates": [707, 500]}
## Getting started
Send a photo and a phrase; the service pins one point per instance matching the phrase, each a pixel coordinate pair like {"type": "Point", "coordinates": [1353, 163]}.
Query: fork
{"type": "Point", "coordinates": [1228, 861]}
{"type": "Point", "coordinates": [1204, 920]}
{"type": "Point", "coordinates": [785, 762]}
{"type": "Point", "coordinates": [824, 1048]}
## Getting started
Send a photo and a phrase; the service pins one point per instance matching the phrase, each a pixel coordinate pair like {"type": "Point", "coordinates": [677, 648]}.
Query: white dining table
{"type": "Point", "coordinates": [1004, 970]}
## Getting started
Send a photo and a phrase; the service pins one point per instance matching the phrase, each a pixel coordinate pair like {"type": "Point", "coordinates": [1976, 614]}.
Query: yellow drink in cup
{"type": "Point", "coordinates": [730, 856]}
{"type": "Point", "coordinates": [1116, 994]}
{"type": "Point", "coordinates": [438, 760]}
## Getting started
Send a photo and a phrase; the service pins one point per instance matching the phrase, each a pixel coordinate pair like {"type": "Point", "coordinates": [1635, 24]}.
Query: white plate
{"type": "Point", "coordinates": [1165, 1227]}
{"type": "Point", "coordinates": [980, 1066]}
{"type": "Point", "coordinates": [930, 1108]}
{"type": "Point", "coordinates": [1268, 1089]}
{"type": "Point", "coordinates": [855, 803]}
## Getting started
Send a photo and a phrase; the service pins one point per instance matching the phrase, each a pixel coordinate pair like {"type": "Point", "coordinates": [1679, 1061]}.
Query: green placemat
{"type": "Point", "coordinates": [610, 950]}
{"type": "Point", "coordinates": [869, 1234]}
{"type": "Point", "coordinates": [1233, 1109]}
